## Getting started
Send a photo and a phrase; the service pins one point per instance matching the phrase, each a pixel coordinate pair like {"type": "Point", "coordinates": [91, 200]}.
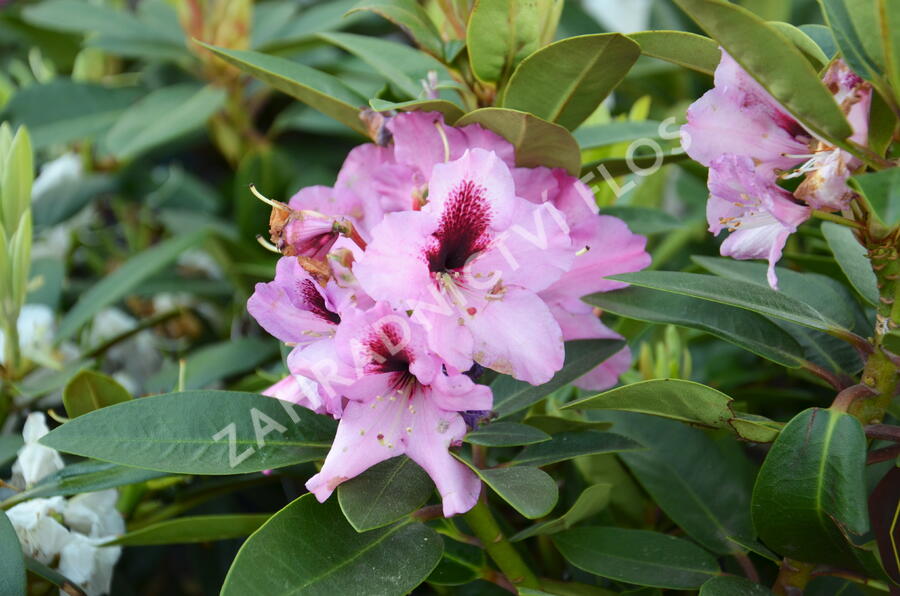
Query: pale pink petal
{"type": "Point", "coordinates": [459, 393]}
{"type": "Point", "coordinates": [607, 373]}
{"type": "Point", "coordinates": [299, 391]}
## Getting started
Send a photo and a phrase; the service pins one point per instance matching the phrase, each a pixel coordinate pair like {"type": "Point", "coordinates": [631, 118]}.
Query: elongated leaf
{"type": "Point", "coordinates": [384, 493]}
{"type": "Point", "coordinates": [803, 42]}
{"type": "Point", "coordinates": [198, 432]}
{"type": "Point", "coordinates": [680, 47]}
{"type": "Point", "coordinates": [773, 61]}
{"type": "Point", "coordinates": [78, 16]}
{"type": "Point", "coordinates": [852, 258]}
{"type": "Point", "coordinates": [53, 576]}
{"type": "Point", "coordinates": [308, 548]}
{"type": "Point", "coordinates": [84, 477]}
{"type": "Point", "coordinates": [753, 428]}
{"type": "Point", "coordinates": [187, 530]}
{"type": "Point", "coordinates": [613, 167]}
{"type": "Point", "coordinates": [9, 446]}
{"type": "Point", "coordinates": [589, 137]}
{"type": "Point", "coordinates": [500, 34]}
{"type": "Point", "coordinates": [537, 142]}
{"type": "Point", "coordinates": [569, 445]}
{"type": "Point", "coordinates": [645, 221]}
{"type": "Point", "coordinates": [506, 434]}
{"type": "Point", "coordinates": [811, 488]}
{"type": "Point", "coordinates": [889, 21]}
{"type": "Point", "coordinates": [510, 395]}
{"type": "Point", "coordinates": [566, 81]}
{"type": "Point", "coordinates": [637, 557]}
{"type": "Point", "coordinates": [733, 586]}
{"type": "Point", "coordinates": [451, 111]}
{"type": "Point", "coordinates": [321, 91]}
{"type": "Point", "coordinates": [288, 31]}
{"type": "Point", "coordinates": [594, 499]}
{"type": "Point", "coordinates": [743, 328]}
{"type": "Point", "coordinates": [741, 294]}
{"type": "Point", "coordinates": [89, 391]}
{"type": "Point", "coordinates": [685, 401]}
{"type": "Point", "coordinates": [399, 64]}
{"type": "Point", "coordinates": [856, 35]}
{"type": "Point", "coordinates": [215, 362]}
{"type": "Point", "coordinates": [461, 564]}
{"type": "Point", "coordinates": [125, 280]}
{"type": "Point", "coordinates": [412, 18]}
{"type": "Point", "coordinates": [530, 491]}
{"type": "Point", "coordinates": [687, 473]}
{"type": "Point", "coordinates": [823, 37]}
{"type": "Point", "coordinates": [12, 562]}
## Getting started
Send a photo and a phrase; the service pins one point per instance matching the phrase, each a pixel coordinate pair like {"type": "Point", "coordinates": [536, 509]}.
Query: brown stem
{"type": "Point", "coordinates": [792, 578]}
{"type": "Point", "coordinates": [429, 512]}
{"type": "Point", "coordinates": [498, 579]}
{"type": "Point", "coordinates": [848, 396]}
{"type": "Point", "coordinates": [748, 567]}
{"type": "Point", "coordinates": [885, 454]}
{"type": "Point", "coordinates": [884, 432]}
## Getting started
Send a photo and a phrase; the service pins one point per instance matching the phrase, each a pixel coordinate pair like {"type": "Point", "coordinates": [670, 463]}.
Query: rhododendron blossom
{"type": "Point", "coordinates": [432, 257]}
{"type": "Point", "coordinates": [749, 142]}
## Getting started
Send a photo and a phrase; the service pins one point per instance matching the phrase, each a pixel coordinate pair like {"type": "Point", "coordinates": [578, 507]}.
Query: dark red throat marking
{"type": "Point", "coordinates": [315, 302]}
{"type": "Point", "coordinates": [463, 228]}
{"type": "Point", "coordinates": [388, 352]}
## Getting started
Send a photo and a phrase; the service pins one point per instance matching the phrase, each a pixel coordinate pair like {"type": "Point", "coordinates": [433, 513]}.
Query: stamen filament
{"type": "Point", "coordinates": [267, 200]}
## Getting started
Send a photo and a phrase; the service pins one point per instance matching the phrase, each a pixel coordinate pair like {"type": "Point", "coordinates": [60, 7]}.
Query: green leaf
{"type": "Point", "coordinates": [686, 474]}
{"type": "Point", "coordinates": [811, 489]}
{"type": "Point", "coordinates": [84, 477]}
{"type": "Point", "coordinates": [309, 548]}
{"type": "Point", "coordinates": [637, 557]}
{"type": "Point", "coordinates": [743, 328]}
{"type": "Point", "coordinates": [856, 33]}
{"type": "Point", "coordinates": [730, 585]}
{"type": "Point", "coordinates": [803, 42]}
{"type": "Point", "coordinates": [78, 16]}
{"type": "Point", "coordinates": [555, 424]}
{"type": "Point", "coordinates": [188, 530]}
{"type": "Point", "coordinates": [582, 356]}
{"type": "Point", "coordinates": [566, 81]}
{"type": "Point", "coordinates": [285, 31]}
{"type": "Point", "coordinates": [530, 491]}
{"type": "Point", "coordinates": [462, 563]}
{"type": "Point", "coordinates": [622, 166]}
{"type": "Point", "coordinates": [601, 135]}
{"type": "Point", "coordinates": [198, 432]}
{"type": "Point", "coordinates": [753, 428]}
{"type": "Point", "coordinates": [411, 18]}
{"type": "Point", "coordinates": [823, 38]}
{"type": "Point", "coordinates": [450, 110]}
{"type": "Point", "coordinates": [16, 178]}
{"type": "Point", "coordinates": [12, 563]}
{"type": "Point", "coordinates": [591, 501]}
{"type": "Point", "coordinates": [319, 90]}
{"type": "Point", "coordinates": [889, 21]}
{"type": "Point", "coordinates": [684, 401]}
{"type": "Point", "coordinates": [9, 447]}
{"type": "Point", "coordinates": [499, 35]}
{"type": "Point", "coordinates": [162, 116]}
{"type": "Point", "coordinates": [774, 61]}
{"type": "Point", "coordinates": [742, 294]}
{"type": "Point", "coordinates": [384, 493]}
{"type": "Point", "coordinates": [679, 47]}
{"type": "Point", "coordinates": [90, 390]}
{"type": "Point", "coordinates": [215, 362]}
{"type": "Point", "coordinates": [506, 434]}
{"type": "Point", "coordinates": [569, 445]}
{"type": "Point", "coordinates": [125, 280]}
{"type": "Point", "coordinates": [882, 189]}
{"type": "Point", "coordinates": [852, 257]}
{"type": "Point", "coordinates": [537, 142]}
{"type": "Point", "coordinates": [53, 576]}
{"type": "Point", "coordinates": [398, 63]}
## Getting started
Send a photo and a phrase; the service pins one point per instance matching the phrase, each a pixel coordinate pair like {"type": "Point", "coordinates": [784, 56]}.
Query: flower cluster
{"type": "Point", "coordinates": [750, 142]}
{"type": "Point", "coordinates": [64, 533]}
{"type": "Point", "coordinates": [432, 257]}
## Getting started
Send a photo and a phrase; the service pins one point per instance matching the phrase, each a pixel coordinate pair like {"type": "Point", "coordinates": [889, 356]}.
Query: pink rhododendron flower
{"type": "Point", "coordinates": [749, 141]}
{"type": "Point", "coordinates": [433, 256]}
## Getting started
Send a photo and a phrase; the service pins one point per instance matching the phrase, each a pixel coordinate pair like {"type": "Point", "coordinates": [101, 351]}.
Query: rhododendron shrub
{"type": "Point", "coordinates": [432, 297]}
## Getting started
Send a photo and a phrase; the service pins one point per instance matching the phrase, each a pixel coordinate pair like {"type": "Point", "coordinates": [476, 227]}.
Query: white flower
{"type": "Point", "coordinates": [95, 514]}
{"type": "Point", "coordinates": [35, 461]}
{"type": "Point", "coordinates": [109, 323]}
{"type": "Point", "coordinates": [35, 327]}
{"type": "Point", "coordinates": [62, 171]}
{"type": "Point", "coordinates": [40, 534]}
{"type": "Point", "coordinates": [623, 17]}
{"type": "Point", "coordinates": [87, 564]}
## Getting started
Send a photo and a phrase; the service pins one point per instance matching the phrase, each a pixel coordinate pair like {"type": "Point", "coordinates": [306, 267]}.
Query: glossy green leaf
{"type": "Point", "coordinates": [687, 474]}
{"type": "Point", "coordinates": [889, 28]}
{"type": "Point", "coordinates": [384, 493]}
{"type": "Point", "coordinates": [125, 280]}
{"type": "Point", "coordinates": [462, 563]}
{"type": "Point", "coordinates": [12, 563]}
{"type": "Point", "coordinates": [500, 34]}
{"type": "Point", "coordinates": [637, 557]}
{"type": "Point", "coordinates": [680, 47]}
{"type": "Point", "coordinates": [215, 362]}
{"type": "Point", "coordinates": [676, 399]}
{"type": "Point", "coordinates": [745, 329]}
{"type": "Point", "coordinates": [401, 65]}
{"type": "Point", "coordinates": [773, 61]}
{"type": "Point", "coordinates": [565, 81]}
{"type": "Point", "coordinates": [823, 37]}
{"type": "Point", "coordinates": [411, 18]}
{"type": "Point", "coordinates": [506, 434]}
{"type": "Point", "coordinates": [84, 477]}
{"type": "Point", "coordinates": [9, 446]}
{"type": "Point", "coordinates": [568, 445]}
{"type": "Point", "coordinates": [730, 585]}
{"type": "Point", "coordinates": [742, 294]}
{"type": "Point", "coordinates": [811, 488]}
{"type": "Point", "coordinates": [591, 501]}
{"type": "Point", "coordinates": [198, 432]}
{"type": "Point", "coordinates": [187, 530]}
{"type": "Point", "coordinates": [530, 491]}
{"type": "Point", "coordinates": [856, 33]}
{"type": "Point", "coordinates": [285, 31]}
{"type": "Point", "coordinates": [556, 424]}
{"type": "Point", "coordinates": [309, 548]}
{"type": "Point", "coordinates": [853, 260]}
{"type": "Point", "coordinates": [613, 167]}
{"type": "Point", "coordinates": [537, 142]}
{"type": "Point", "coordinates": [511, 395]}
{"type": "Point", "coordinates": [322, 91]}
{"type": "Point", "coordinates": [803, 42]}
{"type": "Point", "coordinates": [90, 390]}
{"type": "Point", "coordinates": [451, 111]}
{"type": "Point", "coordinates": [601, 135]}
{"type": "Point", "coordinates": [753, 428]}
{"type": "Point", "coordinates": [882, 190]}
{"type": "Point", "coordinates": [162, 116]}
{"type": "Point", "coordinates": [771, 10]}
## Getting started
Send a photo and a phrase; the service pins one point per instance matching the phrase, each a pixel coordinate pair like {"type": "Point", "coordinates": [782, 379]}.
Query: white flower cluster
{"type": "Point", "coordinates": [64, 533]}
